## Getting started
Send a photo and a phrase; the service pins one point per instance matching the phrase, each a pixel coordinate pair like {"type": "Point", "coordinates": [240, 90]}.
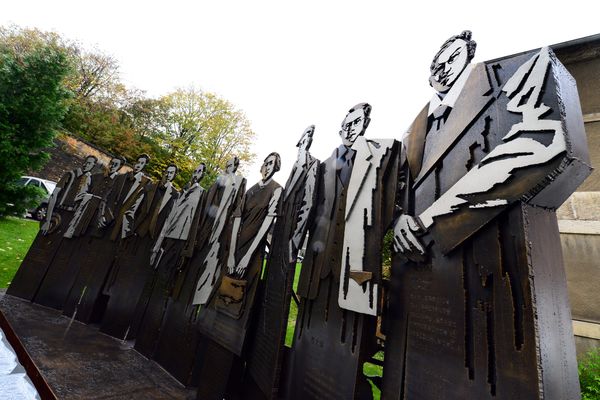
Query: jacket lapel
{"type": "Point", "coordinates": [466, 109]}
{"type": "Point", "coordinates": [360, 170]}
{"type": "Point", "coordinates": [414, 142]}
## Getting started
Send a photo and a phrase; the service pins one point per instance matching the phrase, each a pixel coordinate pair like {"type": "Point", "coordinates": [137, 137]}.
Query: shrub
{"type": "Point", "coordinates": [589, 375]}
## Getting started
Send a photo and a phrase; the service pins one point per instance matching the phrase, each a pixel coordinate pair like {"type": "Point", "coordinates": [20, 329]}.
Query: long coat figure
{"type": "Point", "coordinates": [65, 266]}
{"type": "Point", "coordinates": [177, 347]}
{"type": "Point", "coordinates": [61, 207]}
{"type": "Point", "coordinates": [144, 216]}
{"type": "Point", "coordinates": [224, 322]}
{"type": "Point", "coordinates": [95, 257]}
{"type": "Point", "coordinates": [174, 244]}
{"type": "Point", "coordinates": [340, 282]}
{"type": "Point", "coordinates": [479, 305]}
{"type": "Point", "coordinates": [265, 360]}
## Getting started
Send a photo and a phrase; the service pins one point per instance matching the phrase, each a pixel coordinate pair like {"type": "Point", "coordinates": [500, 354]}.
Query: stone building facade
{"type": "Point", "coordinates": [579, 217]}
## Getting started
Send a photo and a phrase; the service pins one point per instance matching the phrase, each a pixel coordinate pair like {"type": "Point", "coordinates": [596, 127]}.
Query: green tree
{"type": "Point", "coordinates": [33, 101]}
{"type": "Point", "coordinates": [197, 126]}
{"type": "Point", "coordinates": [589, 375]}
{"type": "Point", "coordinates": [185, 127]}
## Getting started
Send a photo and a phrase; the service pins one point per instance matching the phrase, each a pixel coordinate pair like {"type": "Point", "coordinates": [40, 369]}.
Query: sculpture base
{"type": "Point", "coordinates": [79, 362]}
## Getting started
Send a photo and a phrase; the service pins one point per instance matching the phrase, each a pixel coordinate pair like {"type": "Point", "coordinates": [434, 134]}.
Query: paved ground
{"type": "Point", "coordinates": [79, 362]}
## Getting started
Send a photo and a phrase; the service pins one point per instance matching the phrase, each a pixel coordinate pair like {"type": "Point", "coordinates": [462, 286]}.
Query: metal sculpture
{"type": "Point", "coordinates": [340, 282]}
{"type": "Point", "coordinates": [95, 257]}
{"type": "Point", "coordinates": [225, 320]}
{"type": "Point", "coordinates": [177, 346]}
{"type": "Point", "coordinates": [143, 218]}
{"type": "Point", "coordinates": [174, 244]}
{"type": "Point", "coordinates": [265, 360]}
{"type": "Point", "coordinates": [61, 206]}
{"type": "Point", "coordinates": [68, 260]}
{"type": "Point", "coordinates": [478, 299]}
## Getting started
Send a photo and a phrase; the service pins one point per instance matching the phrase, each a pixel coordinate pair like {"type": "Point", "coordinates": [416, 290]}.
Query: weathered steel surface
{"type": "Point", "coordinates": [62, 203]}
{"type": "Point", "coordinates": [483, 312]}
{"type": "Point", "coordinates": [355, 204]}
{"type": "Point", "coordinates": [28, 278]}
{"type": "Point", "coordinates": [132, 269]}
{"type": "Point", "coordinates": [266, 349]}
{"type": "Point", "coordinates": [81, 363]}
{"type": "Point", "coordinates": [177, 348]}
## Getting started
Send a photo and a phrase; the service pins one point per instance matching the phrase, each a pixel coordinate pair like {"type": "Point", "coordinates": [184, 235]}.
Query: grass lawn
{"type": "Point", "coordinates": [289, 334]}
{"type": "Point", "coordinates": [16, 235]}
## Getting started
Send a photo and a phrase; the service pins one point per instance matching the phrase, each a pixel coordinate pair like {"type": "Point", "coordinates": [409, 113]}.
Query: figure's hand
{"type": "Point", "coordinates": [153, 257]}
{"type": "Point", "coordinates": [241, 267]}
{"type": "Point", "coordinates": [231, 263]}
{"type": "Point", "coordinates": [405, 238]}
{"type": "Point", "coordinates": [102, 222]}
{"type": "Point", "coordinates": [45, 227]}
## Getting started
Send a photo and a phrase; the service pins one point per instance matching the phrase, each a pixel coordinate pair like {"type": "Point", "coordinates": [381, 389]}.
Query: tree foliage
{"type": "Point", "coordinates": [589, 375]}
{"type": "Point", "coordinates": [185, 127]}
{"type": "Point", "coordinates": [33, 101]}
{"type": "Point", "coordinates": [202, 127]}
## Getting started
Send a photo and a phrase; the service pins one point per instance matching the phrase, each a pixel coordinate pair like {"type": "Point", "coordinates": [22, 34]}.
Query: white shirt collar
{"type": "Point", "coordinates": [262, 183]}
{"type": "Point", "coordinates": [138, 176]}
{"type": "Point", "coordinates": [450, 97]}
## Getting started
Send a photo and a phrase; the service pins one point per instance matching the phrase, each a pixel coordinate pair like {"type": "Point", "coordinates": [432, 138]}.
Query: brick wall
{"type": "Point", "coordinates": [67, 154]}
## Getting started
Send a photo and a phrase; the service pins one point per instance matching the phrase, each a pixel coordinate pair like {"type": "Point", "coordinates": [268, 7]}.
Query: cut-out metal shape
{"type": "Point", "coordinates": [478, 282]}
{"type": "Point", "coordinates": [174, 242]}
{"type": "Point", "coordinates": [224, 321]}
{"type": "Point", "coordinates": [340, 281]}
{"type": "Point", "coordinates": [143, 215]}
{"type": "Point", "coordinates": [265, 360]}
{"type": "Point", "coordinates": [61, 206]}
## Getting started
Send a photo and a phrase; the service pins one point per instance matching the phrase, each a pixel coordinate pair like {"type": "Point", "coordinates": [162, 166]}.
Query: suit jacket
{"type": "Point", "coordinates": [184, 217]}
{"type": "Point", "coordinates": [88, 209]}
{"type": "Point", "coordinates": [369, 212]}
{"type": "Point", "coordinates": [156, 208]}
{"type": "Point", "coordinates": [483, 297]}
{"type": "Point", "coordinates": [127, 203]}
{"type": "Point", "coordinates": [341, 232]}
{"type": "Point", "coordinates": [535, 153]}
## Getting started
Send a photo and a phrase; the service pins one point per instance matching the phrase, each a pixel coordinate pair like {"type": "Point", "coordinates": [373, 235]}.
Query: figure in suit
{"type": "Point", "coordinates": [265, 359]}
{"type": "Point", "coordinates": [224, 321]}
{"type": "Point", "coordinates": [340, 282]}
{"type": "Point", "coordinates": [61, 206]}
{"type": "Point", "coordinates": [478, 293]}
{"type": "Point", "coordinates": [96, 256]}
{"type": "Point", "coordinates": [178, 341]}
{"type": "Point", "coordinates": [83, 229]}
{"type": "Point", "coordinates": [174, 245]}
{"type": "Point", "coordinates": [143, 215]}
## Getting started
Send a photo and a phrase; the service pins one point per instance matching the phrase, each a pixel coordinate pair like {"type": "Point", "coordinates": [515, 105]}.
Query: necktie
{"type": "Point", "coordinates": [438, 118]}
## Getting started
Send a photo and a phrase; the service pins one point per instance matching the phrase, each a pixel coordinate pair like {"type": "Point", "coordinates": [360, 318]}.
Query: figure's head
{"type": "Point", "coordinates": [306, 139]}
{"type": "Point", "coordinates": [170, 173]}
{"type": "Point", "coordinates": [115, 164]}
{"type": "Point", "coordinates": [198, 173]}
{"type": "Point", "coordinates": [355, 124]}
{"type": "Point", "coordinates": [89, 163]}
{"type": "Point", "coordinates": [142, 161]}
{"type": "Point", "coordinates": [232, 165]}
{"type": "Point", "coordinates": [451, 60]}
{"type": "Point", "coordinates": [271, 165]}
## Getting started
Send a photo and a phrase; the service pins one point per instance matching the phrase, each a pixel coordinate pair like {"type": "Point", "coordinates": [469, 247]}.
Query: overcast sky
{"type": "Point", "coordinates": [291, 64]}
